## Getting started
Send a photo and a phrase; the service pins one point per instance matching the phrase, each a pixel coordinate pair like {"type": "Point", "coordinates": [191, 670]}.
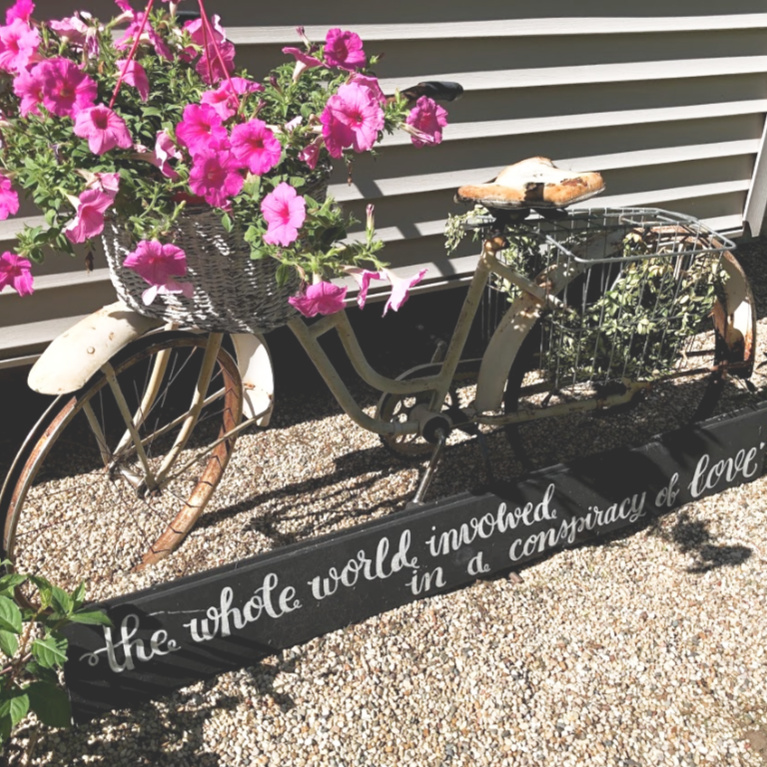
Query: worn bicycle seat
{"type": "Point", "coordinates": [533, 183]}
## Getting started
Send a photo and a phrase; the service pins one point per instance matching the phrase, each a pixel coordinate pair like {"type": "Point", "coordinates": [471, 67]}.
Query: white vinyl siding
{"type": "Point", "coordinates": [667, 99]}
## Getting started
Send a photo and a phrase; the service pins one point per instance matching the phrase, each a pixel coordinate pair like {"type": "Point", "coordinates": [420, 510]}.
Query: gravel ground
{"type": "Point", "coordinates": [647, 649]}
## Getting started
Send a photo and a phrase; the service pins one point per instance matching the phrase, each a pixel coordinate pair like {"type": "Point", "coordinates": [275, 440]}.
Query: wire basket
{"type": "Point", "coordinates": [644, 282]}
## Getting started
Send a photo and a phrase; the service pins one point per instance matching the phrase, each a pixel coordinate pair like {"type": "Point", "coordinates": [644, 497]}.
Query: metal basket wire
{"type": "Point", "coordinates": [645, 281]}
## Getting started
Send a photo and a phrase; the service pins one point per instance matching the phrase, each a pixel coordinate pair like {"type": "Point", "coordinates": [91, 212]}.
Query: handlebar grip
{"type": "Point", "coordinates": [436, 89]}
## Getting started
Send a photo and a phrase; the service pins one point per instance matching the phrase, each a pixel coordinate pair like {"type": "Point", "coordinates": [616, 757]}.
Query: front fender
{"type": "Point", "coordinates": [78, 353]}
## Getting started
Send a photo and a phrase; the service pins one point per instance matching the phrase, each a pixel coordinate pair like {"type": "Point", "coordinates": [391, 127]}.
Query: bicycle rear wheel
{"type": "Point", "coordinates": [688, 394]}
{"type": "Point", "coordinates": [119, 472]}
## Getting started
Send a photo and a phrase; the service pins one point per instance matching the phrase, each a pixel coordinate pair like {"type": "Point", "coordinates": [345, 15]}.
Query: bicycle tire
{"type": "Point", "coordinates": [80, 506]}
{"type": "Point", "coordinates": [535, 444]}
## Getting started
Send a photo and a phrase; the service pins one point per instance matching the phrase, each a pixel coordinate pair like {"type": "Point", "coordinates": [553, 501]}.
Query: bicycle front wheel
{"type": "Point", "coordinates": [120, 472]}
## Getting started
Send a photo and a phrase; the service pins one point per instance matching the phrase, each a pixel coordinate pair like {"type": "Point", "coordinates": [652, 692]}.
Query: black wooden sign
{"type": "Point", "coordinates": [227, 618]}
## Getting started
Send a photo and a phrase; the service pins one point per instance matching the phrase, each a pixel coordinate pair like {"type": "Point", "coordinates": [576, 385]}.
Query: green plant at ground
{"type": "Point", "coordinates": [34, 648]}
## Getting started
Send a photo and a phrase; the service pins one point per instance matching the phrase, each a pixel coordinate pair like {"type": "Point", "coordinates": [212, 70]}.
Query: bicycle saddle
{"type": "Point", "coordinates": [533, 183]}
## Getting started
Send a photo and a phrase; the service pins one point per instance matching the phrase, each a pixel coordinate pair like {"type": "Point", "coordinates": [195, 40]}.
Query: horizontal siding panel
{"type": "Point", "coordinates": [576, 25]}
{"type": "Point", "coordinates": [643, 71]}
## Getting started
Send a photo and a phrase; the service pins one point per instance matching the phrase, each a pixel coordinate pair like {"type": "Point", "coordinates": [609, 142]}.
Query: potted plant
{"type": "Point", "coordinates": [207, 186]}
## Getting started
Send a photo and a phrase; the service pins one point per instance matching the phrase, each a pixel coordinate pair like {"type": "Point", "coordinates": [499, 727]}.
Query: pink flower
{"type": "Point", "coordinates": [319, 298]}
{"type": "Point", "coordinates": [201, 129]}
{"type": "Point", "coordinates": [344, 50]}
{"type": "Point", "coordinates": [9, 200]}
{"type": "Point", "coordinates": [371, 83]}
{"type": "Point", "coordinates": [215, 177]}
{"type": "Point", "coordinates": [209, 66]}
{"type": "Point", "coordinates": [108, 183]}
{"type": "Point", "coordinates": [135, 75]}
{"type": "Point", "coordinates": [363, 278]}
{"type": "Point", "coordinates": [165, 151]}
{"type": "Point", "coordinates": [21, 9]}
{"type": "Point", "coordinates": [224, 99]}
{"type": "Point", "coordinates": [427, 119]}
{"type": "Point", "coordinates": [303, 58]}
{"type": "Point", "coordinates": [66, 89]}
{"type": "Point", "coordinates": [303, 61]}
{"type": "Point", "coordinates": [285, 212]}
{"type": "Point", "coordinates": [255, 146]}
{"type": "Point", "coordinates": [18, 46]}
{"type": "Point", "coordinates": [158, 264]}
{"type": "Point", "coordinates": [16, 272]}
{"type": "Point", "coordinates": [400, 289]}
{"type": "Point", "coordinates": [29, 88]}
{"type": "Point", "coordinates": [78, 33]}
{"type": "Point", "coordinates": [89, 217]}
{"type": "Point", "coordinates": [310, 154]}
{"type": "Point", "coordinates": [351, 118]}
{"type": "Point", "coordinates": [136, 19]}
{"type": "Point", "coordinates": [103, 128]}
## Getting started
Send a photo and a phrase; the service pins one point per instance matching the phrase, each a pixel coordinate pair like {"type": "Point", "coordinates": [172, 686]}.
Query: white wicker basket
{"type": "Point", "coordinates": [232, 292]}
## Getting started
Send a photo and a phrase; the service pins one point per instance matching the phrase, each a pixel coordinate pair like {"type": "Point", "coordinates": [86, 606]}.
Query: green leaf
{"type": "Point", "coordinates": [10, 615]}
{"type": "Point", "coordinates": [14, 704]}
{"type": "Point", "coordinates": [34, 669]}
{"type": "Point", "coordinates": [50, 703]}
{"type": "Point", "coordinates": [92, 618]}
{"type": "Point", "coordinates": [61, 600]}
{"type": "Point", "coordinates": [8, 643]}
{"type": "Point", "coordinates": [50, 652]}
{"type": "Point", "coordinates": [9, 583]}
{"type": "Point", "coordinates": [78, 595]}
{"type": "Point", "coordinates": [226, 222]}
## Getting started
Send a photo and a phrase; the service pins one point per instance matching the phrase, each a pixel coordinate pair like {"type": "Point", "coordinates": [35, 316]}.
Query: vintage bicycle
{"type": "Point", "coordinates": [597, 305]}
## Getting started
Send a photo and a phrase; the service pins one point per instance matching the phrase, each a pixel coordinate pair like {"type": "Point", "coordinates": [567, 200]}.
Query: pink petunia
{"type": "Point", "coordinates": [303, 61]}
{"type": "Point", "coordinates": [224, 98]}
{"type": "Point", "coordinates": [400, 289]}
{"type": "Point", "coordinates": [89, 217]}
{"type": "Point", "coordinates": [302, 57]}
{"type": "Point", "coordinates": [16, 272]}
{"type": "Point", "coordinates": [78, 33]}
{"type": "Point", "coordinates": [215, 177]}
{"type": "Point", "coordinates": [310, 154]}
{"type": "Point", "coordinates": [66, 89]}
{"type": "Point", "coordinates": [344, 50]}
{"type": "Point", "coordinates": [159, 265]}
{"type": "Point", "coordinates": [103, 128]}
{"type": "Point", "coordinates": [319, 298]}
{"type": "Point", "coordinates": [363, 277]}
{"type": "Point", "coordinates": [284, 211]}
{"type": "Point", "coordinates": [135, 75]}
{"type": "Point", "coordinates": [28, 86]}
{"type": "Point", "coordinates": [371, 83]}
{"type": "Point", "coordinates": [216, 62]}
{"type": "Point", "coordinates": [209, 67]}
{"type": "Point", "coordinates": [165, 151]}
{"type": "Point", "coordinates": [255, 146]}
{"type": "Point", "coordinates": [201, 129]}
{"type": "Point", "coordinates": [136, 20]}
{"type": "Point", "coordinates": [18, 46]}
{"type": "Point", "coordinates": [21, 9]}
{"type": "Point", "coordinates": [9, 199]}
{"type": "Point", "coordinates": [426, 121]}
{"type": "Point", "coordinates": [352, 118]}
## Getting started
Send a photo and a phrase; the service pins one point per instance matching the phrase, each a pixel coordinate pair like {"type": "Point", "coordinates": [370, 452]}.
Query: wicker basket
{"type": "Point", "coordinates": [232, 292]}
